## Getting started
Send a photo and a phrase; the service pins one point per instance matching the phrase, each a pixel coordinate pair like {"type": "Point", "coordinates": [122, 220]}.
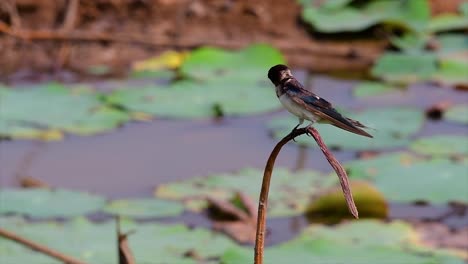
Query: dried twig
{"type": "Point", "coordinates": [263, 200]}
{"type": "Point", "coordinates": [35, 246]}
{"type": "Point", "coordinates": [340, 171]}
{"type": "Point", "coordinates": [71, 15]}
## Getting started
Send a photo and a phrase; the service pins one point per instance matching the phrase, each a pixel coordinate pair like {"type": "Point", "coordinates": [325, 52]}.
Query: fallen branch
{"type": "Point", "coordinates": [40, 248]}
{"type": "Point", "coordinates": [263, 200]}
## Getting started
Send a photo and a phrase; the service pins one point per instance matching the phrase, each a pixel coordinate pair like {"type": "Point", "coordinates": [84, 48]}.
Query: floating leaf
{"type": "Point", "coordinates": [438, 182]}
{"type": "Point", "coordinates": [451, 42]}
{"type": "Point", "coordinates": [452, 72]}
{"type": "Point", "coordinates": [405, 68]}
{"type": "Point", "coordinates": [368, 169]}
{"type": "Point", "coordinates": [45, 203]}
{"type": "Point", "coordinates": [392, 127]}
{"type": "Point", "coordinates": [161, 66]}
{"type": "Point", "coordinates": [412, 15]}
{"type": "Point", "coordinates": [442, 145]}
{"type": "Point", "coordinates": [249, 64]}
{"type": "Point", "coordinates": [36, 112]}
{"type": "Point", "coordinates": [350, 243]}
{"type": "Point", "coordinates": [457, 113]}
{"type": "Point", "coordinates": [287, 197]}
{"type": "Point", "coordinates": [95, 243]}
{"type": "Point", "coordinates": [141, 208]}
{"type": "Point", "coordinates": [405, 178]}
{"type": "Point", "coordinates": [448, 22]}
{"type": "Point", "coordinates": [219, 83]}
{"type": "Point", "coordinates": [331, 205]}
{"type": "Point", "coordinates": [366, 89]}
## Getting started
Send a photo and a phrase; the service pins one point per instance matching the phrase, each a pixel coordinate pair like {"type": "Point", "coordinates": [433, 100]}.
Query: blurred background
{"type": "Point", "coordinates": [160, 112]}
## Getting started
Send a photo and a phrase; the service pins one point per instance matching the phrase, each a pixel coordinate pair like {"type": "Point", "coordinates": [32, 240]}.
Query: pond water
{"type": "Point", "coordinates": [132, 160]}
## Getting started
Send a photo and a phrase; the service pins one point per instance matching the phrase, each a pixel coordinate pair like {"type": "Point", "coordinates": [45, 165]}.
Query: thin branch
{"type": "Point", "coordinates": [40, 248]}
{"type": "Point", "coordinates": [263, 200]}
{"type": "Point", "coordinates": [340, 171]}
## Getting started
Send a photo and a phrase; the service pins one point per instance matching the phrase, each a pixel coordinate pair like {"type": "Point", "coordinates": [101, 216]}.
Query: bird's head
{"type": "Point", "coordinates": [278, 73]}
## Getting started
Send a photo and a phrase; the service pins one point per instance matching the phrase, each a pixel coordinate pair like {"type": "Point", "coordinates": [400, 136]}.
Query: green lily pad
{"type": "Point", "coordinates": [141, 208]}
{"type": "Point", "coordinates": [350, 243]}
{"type": "Point", "coordinates": [457, 113]}
{"type": "Point", "coordinates": [405, 68]}
{"type": "Point", "coordinates": [330, 207]}
{"type": "Point", "coordinates": [368, 169]}
{"type": "Point", "coordinates": [411, 42]}
{"type": "Point", "coordinates": [442, 145]}
{"type": "Point", "coordinates": [392, 127]}
{"type": "Point", "coordinates": [403, 177]}
{"type": "Point", "coordinates": [210, 74]}
{"type": "Point", "coordinates": [45, 203]}
{"type": "Point", "coordinates": [448, 22]}
{"type": "Point", "coordinates": [96, 243]}
{"type": "Point", "coordinates": [250, 64]}
{"type": "Point", "coordinates": [412, 15]}
{"type": "Point", "coordinates": [27, 112]}
{"type": "Point", "coordinates": [451, 42]}
{"type": "Point", "coordinates": [368, 89]}
{"type": "Point", "coordinates": [287, 197]}
{"type": "Point", "coordinates": [452, 72]}
{"type": "Point", "coordinates": [436, 181]}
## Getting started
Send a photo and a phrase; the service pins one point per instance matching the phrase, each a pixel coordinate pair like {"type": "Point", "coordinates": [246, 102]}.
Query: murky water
{"type": "Point", "coordinates": [132, 160]}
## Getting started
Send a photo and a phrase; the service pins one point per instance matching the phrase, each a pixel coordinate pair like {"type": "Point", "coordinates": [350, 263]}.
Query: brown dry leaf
{"type": "Point", "coordinates": [236, 218]}
{"type": "Point", "coordinates": [31, 182]}
{"type": "Point", "coordinates": [437, 110]}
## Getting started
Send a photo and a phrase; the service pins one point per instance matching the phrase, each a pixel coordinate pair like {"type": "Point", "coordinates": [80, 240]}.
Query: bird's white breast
{"type": "Point", "coordinates": [296, 109]}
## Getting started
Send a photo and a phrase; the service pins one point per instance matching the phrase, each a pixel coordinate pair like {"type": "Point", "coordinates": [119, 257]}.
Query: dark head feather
{"type": "Point", "coordinates": [276, 72]}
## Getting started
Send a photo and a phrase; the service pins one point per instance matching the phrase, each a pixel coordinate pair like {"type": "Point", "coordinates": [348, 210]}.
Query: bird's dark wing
{"type": "Point", "coordinates": [322, 108]}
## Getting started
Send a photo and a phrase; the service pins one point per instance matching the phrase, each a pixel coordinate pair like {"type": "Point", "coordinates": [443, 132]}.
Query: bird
{"type": "Point", "coordinates": [308, 106]}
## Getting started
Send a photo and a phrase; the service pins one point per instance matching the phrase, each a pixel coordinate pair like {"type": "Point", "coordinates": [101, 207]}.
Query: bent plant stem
{"type": "Point", "coordinates": [263, 200]}
{"type": "Point", "coordinates": [40, 248]}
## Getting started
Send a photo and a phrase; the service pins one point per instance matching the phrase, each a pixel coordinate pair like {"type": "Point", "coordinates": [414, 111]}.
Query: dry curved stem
{"type": "Point", "coordinates": [263, 200]}
{"type": "Point", "coordinates": [40, 248]}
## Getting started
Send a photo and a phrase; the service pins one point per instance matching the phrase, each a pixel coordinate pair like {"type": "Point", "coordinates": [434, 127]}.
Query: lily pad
{"type": "Point", "coordinates": [350, 243]}
{"type": "Point", "coordinates": [368, 89]}
{"type": "Point", "coordinates": [45, 203]}
{"type": "Point", "coordinates": [142, 208]}
{"type": "Point", "coordinates": [452, 72]}
{"type": "Point", "coordinates": [442, 145]}
{"type": "Point", "coordinates": [250, 64]}
{"type": "Point", "coordinates": [161, 66]}
{"type": "Point", "coordinates": [448, 22]}
{"type": "Point", "coordinates": [434, 181]}
{"type": "Point", "coordinates": [330, 207]}
{"type": "Point", "coordinates": [95, 243]}
{"type": "Point", "coordinates": [287, 197]}
{"type": "Point", "coordinates": [217, 83]}
{"type": "Point", "coordinates": [392, 127]}
{"type": "Point", "coordinates": [457, 113]}
{"type": "Point", "coordinates": [405, 68]}
{"type": "Point", "coordinates": [27, 113]}
{"type": "Point", "coordinates": [451, 42]}
{"type": "Point", "coordinates": [403, 177]}
{"type": "Point", "coordinates": [411, 15]}
{"type": "Point", "coordinates": [368, 169]}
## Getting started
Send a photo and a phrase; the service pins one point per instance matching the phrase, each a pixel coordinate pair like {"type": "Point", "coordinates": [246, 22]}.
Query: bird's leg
{"type": "Point", "coordinates": [301, 120]}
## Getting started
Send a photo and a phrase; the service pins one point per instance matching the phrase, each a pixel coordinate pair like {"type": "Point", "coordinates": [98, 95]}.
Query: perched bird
{"type": "Point", "coordinates": [306, 105]}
